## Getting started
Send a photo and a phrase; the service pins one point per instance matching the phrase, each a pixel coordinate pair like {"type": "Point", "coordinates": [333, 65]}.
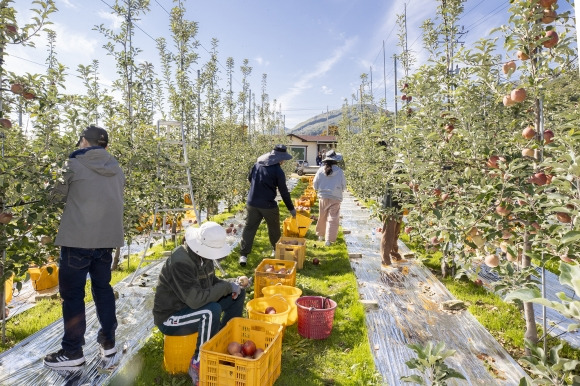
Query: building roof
{"type": "Point", "coordinates": [315, 138]}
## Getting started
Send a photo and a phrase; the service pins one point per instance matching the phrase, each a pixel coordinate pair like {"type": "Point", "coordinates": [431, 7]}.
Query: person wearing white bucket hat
{"type": "Point", "coordinates": [189, 297]}
{"type": "Point", "coordinates": [329, 182]}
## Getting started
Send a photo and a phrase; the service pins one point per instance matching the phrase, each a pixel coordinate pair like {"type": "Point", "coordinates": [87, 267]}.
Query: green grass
{"type": "Point", "coordinates": [504, 321]}
{"type": "Point", "coordinates": [344, 358]}
{"type": "Point", "coordinates": [47, 311]}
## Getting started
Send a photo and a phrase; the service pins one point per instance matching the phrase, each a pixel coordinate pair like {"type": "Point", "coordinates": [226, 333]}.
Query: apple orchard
{"type": "Point", "coordinates": [490, 151]}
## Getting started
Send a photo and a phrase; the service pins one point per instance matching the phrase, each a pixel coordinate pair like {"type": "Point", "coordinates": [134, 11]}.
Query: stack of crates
{"type": "Point", "coordinates": [296, 226]}
{"type": "Point", "coordinates": [293, 249]}
{"type": "Point", "coordinates": [264, 279]}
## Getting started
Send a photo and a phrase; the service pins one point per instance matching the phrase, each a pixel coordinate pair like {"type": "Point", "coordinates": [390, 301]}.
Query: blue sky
{"type": "Point", "coordinates": [313, 51]}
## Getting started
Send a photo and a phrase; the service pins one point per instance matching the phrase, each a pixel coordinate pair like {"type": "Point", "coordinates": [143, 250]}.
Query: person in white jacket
{"type": "Point", "coordinates": [329, 183]}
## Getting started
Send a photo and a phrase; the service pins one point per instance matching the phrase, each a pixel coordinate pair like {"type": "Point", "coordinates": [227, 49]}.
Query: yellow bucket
{"type": "Point", "coordinates": [290, 294]}
{"type": "Point", "coordinates": [177, 352]}
{"type": "Point", "coordinates": [296, 227]}
{"type": "Point", "coordinates": [256, 308]}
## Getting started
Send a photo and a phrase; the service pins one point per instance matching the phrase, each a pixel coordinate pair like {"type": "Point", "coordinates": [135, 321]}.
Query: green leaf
{"type": "Point", "coordinates": [570, 237]}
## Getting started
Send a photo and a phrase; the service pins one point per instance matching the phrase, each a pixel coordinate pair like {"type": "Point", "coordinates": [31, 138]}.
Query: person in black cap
{"type": "Point", "coordinates": [91, 226]}
{"type": "Point", "coordinates": [265, 177]}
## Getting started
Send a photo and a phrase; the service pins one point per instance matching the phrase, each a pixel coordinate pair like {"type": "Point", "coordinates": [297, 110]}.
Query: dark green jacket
{"type": "Point", "coordinates": [186, 280]}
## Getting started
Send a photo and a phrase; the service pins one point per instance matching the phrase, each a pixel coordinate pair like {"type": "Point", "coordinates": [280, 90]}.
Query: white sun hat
{"type": "Point", "coordinates": [208, 241]}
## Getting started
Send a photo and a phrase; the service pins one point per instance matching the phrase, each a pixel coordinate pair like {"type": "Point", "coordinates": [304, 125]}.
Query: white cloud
{"type": "Point", "coordinates": [305, 81]}
{"type": "Point", "coordinates": [68, 4]}
{"type": "Point", "coordinates": [261, 62]}
{"type": "Point", "coordinates": [115, 20]}
{"type": "Point", "coordinates": [326, 90]}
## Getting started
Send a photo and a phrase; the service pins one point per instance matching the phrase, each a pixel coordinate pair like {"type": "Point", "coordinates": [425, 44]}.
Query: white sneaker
{"type": "Point", "coordinates": [273, 253]}
{"type": "Point", "coordinates": [243, 260]}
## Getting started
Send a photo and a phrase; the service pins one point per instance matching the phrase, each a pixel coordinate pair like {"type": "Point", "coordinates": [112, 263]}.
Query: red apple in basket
{"type": "Point", "coordinates": [234, 347]}
{"type": "Point", "coordinates": [270, 310]}
{"type": "Point", "coordinates": [248, 348]}
{"type": "Point", "coordinates": [259, 352]}
{"type": "Point", "coordinates": [283, 271]}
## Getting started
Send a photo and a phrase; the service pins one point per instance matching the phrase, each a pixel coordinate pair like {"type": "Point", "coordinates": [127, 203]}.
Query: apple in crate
{"type": "Point", "coordinates": [270, 310]}
{"type": "Point", "coordinates": [234, 348]}
{"type": "Point", "coordinates": [249, 348]}
{"type": "Point", "coordinates": [259, 352]}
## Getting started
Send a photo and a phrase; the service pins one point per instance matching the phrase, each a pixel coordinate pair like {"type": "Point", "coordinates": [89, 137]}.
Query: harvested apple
{"type": "Point", "coordinates": [259, 352]}
{"type": "Point", "coordinates": [270, 270]}
{"type": "Point", "coordinates": [243, 281]}
{"type": "Point", "coordinates": [234, 348]}
{"type": "Point", "coordinates": [228, 230]}
{"type": "Point", "coordinates": [315, 261]}
{"type": "Point", "coordinates": [248, 348]}
{"type": "Point", "coordinates": [478, 282]}
{"type": "Point", "coordinates": [270, 310]}
{"type": "Point", "coordinates": [282, 271]}
{"type": "Point", "coordinates": [491, 261]}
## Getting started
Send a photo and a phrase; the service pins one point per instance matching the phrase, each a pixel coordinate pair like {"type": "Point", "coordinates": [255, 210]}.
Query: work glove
{"type": "Point", "coordinates": [293, 212]}
{"type": "Point", "coordinates": [236, 290]}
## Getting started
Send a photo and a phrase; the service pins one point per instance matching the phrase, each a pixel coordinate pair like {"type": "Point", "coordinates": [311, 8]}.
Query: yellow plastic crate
{"type": "Point", "coordinates": [8, 289]}
{"type": "Point", "coordinates": [291, 248]}
{"type": "Point", "coordinates": [177, 352]}
{"type": "Point", "coordinates": [296, 226]}
{"type": "Point", "coordinates": [217, 367]}
{"type": "Point", "coordinates": [263, 279]}
{"type": "Point", "coordinates": [44, 277]}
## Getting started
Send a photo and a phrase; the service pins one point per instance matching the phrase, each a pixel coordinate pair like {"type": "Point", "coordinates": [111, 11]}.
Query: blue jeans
{"type": "Point", "coordinates": [206, 320]}
{"type": "Point", "coordinates": [75, 264]}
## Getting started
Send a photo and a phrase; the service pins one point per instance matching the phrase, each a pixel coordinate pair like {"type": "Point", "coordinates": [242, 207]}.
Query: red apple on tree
{"type": "Point", "coordinates": [518, 95]}
{"type": "Point", "coordinates": [553, 39]}
{"type": "Point", "coordinates": [547, 3]}
{"type": "Point", "coordinates": [5, 217]}
{"type": "Point", "coordinates": [548, 136]}
{"type": "Point", "coordinates": [449, 128]}
{"type": "Point", "coordinates": [5, 123]}
{"type": "Point", "coordinates": [502, 210]}
{"type": "Point", "coordinates": [28, 95]}
{"type": "Point", "coordinates": [529, 132]}
{"type": "Point", "coordinates": [492, 162]}
{"type": "Point", "coordinates": [491, 261]}
{"type": "Point", "coordinates": [549, 16]}
{"type": "Point", "coordinates": [564, 217]}
{"type": "Point", "coordinates": [527, 152]}
{"type": "Point", "coordinates": [507, 101]}
{"type": "Point", "coordinates": [17, 88]}
{"type": "Point", "coordinates": [11, 29]}
{"type": "Point", "coordinates": [509, 66]}
{"type": "Point", "coordinates": [521, 55]}
{"type": "Point", "coordinates": [404, 97]}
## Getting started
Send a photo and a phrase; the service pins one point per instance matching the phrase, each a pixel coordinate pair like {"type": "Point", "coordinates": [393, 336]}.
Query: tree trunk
{"type": "Point", "coordinates": [531, 328]}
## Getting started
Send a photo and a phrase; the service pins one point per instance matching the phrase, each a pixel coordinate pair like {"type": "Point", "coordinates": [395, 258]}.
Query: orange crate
{"type": "Point", "coordinates": [44, 277]}
{"type": "Point", "coordinates": [292, 248]}
{"type": "Point", "coordinates": [263, 279]}
{"type": "Point", "coordinates": [217, 367]}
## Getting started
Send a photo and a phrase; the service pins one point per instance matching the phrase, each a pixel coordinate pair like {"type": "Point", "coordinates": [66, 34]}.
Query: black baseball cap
{"type": "Point", "coordinates": [95, 133]}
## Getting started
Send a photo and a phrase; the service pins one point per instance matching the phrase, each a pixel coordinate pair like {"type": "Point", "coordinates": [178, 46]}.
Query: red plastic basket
{"type": "Point", "coordinates": [315, 316]}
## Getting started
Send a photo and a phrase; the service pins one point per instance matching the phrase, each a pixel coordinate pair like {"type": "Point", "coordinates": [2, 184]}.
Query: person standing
{"type": "Point", "coordinates": [319, 159]}
{"type": "Point", "coordinates": [189, 297]}
{"type": "Point", "coordinates": [265, 178]}
{"type": "Point", "coordinates": [91, 226]}
{"type": "Point", "coordinates": [389, 248]}
{"type": "Point", "coordinates": [329, 183]}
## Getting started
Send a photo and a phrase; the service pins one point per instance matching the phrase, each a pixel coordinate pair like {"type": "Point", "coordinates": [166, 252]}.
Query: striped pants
{"type": "Point", "coordinates": [205, 320]}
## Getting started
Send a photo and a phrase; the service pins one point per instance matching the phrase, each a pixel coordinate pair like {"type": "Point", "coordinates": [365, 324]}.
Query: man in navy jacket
{"type": "Point", "coordinates": [265, 177]}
